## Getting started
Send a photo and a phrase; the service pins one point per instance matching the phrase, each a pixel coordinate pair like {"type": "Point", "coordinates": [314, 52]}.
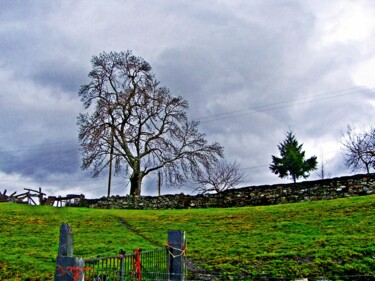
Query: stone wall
{"type": "Point", "coordinates": [326, 189]}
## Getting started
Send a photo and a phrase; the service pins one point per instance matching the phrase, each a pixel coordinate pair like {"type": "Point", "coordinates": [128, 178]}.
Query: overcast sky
{"type": "Point", "coordinates": [250, 70]}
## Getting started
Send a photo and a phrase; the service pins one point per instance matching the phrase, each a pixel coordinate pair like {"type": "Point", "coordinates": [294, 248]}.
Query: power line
{"type": "Point", "coordinates": [53, 150]}
{"type": "Point", "coordinates": [116, 184]}
{"type": "Point", "coordinates": [46, 146]}
{"type": "Point", "coordinates": [283, 104]}
{"type": "Point", "coordinates": [49, 143]}
{"type": "Point", "coordinates": [254, 167]}
{"type": "Point", "coordinates": [358, 90]}
{"type": "Point", "coordinates": [224, 115]}
{"type": "Point", "coordinates": [39, 181]}
{"type": "Point", "coordinates": [42, 158]}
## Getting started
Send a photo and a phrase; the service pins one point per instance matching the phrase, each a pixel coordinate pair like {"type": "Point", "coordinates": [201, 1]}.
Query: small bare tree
{"type": "Point", "coordinates": [359, 149]}
{"type": "Point", "coordinates": [222, 176]}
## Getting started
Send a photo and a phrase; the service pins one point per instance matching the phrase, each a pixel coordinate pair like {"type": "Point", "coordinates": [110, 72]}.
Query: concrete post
{"type": "Point", "coordinates": [68, 268]}
{"type": "Point", "coordinates": [176, 257]}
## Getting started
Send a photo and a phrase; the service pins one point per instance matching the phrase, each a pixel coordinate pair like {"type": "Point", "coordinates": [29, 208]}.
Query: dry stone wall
{"type": "Point", "coordinates": [326, 189]}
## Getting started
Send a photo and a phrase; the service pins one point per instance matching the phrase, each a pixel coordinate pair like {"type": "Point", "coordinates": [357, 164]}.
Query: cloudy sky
{"type": "Point", "coordinates": [250, 70]}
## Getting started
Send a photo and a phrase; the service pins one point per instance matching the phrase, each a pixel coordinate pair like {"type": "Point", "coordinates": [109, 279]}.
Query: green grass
{"type": "Point", "coordinates": [322, 238]}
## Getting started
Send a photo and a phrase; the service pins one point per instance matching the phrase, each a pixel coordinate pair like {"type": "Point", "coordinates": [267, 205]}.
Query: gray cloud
{"type": "Point", "coordinates": [250, 71]}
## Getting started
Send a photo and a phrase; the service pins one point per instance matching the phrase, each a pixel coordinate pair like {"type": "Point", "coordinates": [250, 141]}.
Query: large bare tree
{"type": "Point", "coordinates": [359, 149]}
{"type": "Point", "coordinates": [142, 122]}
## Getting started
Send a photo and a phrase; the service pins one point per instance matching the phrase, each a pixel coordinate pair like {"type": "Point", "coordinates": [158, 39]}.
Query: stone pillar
{"type": "Point", "coordinates": [68, 267]}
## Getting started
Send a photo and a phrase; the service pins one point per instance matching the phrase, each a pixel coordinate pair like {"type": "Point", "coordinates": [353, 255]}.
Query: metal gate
{"type": "Point", "coordinates": [139, 265]}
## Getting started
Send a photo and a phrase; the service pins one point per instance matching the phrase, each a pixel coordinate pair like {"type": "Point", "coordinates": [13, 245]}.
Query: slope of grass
{"type": "Point", "coordinates": [29, 237]}
{"type": "Point", "coordinates": [322, 238]}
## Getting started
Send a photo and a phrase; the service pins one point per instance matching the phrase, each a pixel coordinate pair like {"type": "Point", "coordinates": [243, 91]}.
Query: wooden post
{"type": "Point", "coordinates": [159, 183]}
{"type": "Point", "coordinates": [176, 257]}
{"type": "Point", "coordinates": [110, 162]}
{"type": "Point", "coordinates": [68, 268]}
{"type": "Point", "coordinates": [40, 196]}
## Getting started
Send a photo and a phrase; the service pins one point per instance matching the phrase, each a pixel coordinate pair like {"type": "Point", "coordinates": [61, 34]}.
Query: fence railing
{"type": "Point", "coordinates": [139, 265]}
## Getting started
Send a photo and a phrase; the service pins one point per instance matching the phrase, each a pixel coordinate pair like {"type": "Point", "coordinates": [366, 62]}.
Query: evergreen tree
{"type": "Point", "coordinates": [292, 162]}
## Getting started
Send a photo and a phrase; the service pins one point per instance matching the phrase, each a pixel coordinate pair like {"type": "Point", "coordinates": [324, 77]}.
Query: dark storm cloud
{"type": "Point", "coordinates": [60, 74]}
{"type": "Point", "coordinates": [41, 160]}
{"type": "Point", "coordinates": [33, 47]}
{"type": "Point", "coordinates": [243, 59]}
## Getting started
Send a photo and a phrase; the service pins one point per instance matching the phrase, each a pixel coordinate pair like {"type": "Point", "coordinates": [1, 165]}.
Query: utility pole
{"type": "Point", "coordinates": [110, 165]}
{"type": "Point", "coordinates": [159, 183]}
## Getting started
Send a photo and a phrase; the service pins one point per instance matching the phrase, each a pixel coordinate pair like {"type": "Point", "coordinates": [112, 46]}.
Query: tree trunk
{"type": "Point", "coordinates": [368, 168]}
{"type": "Point", "coordinates": [294, 178]}
{"type": "Point", "coordinates": [136, 183]}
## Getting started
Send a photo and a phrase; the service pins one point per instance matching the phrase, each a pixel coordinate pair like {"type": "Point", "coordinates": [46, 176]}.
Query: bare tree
{"type": "Point", "coordinates": [145, 125]}
{"type": "Point", "coordinates": [359, 149]}
{"type": "Point", "coordinates": [222, 176]}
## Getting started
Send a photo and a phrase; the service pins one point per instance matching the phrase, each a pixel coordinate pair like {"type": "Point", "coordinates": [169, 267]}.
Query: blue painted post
{"type": "Point", "coordinates": [176, 257]}
{"type": "Point", "coordinates": [68, 268]}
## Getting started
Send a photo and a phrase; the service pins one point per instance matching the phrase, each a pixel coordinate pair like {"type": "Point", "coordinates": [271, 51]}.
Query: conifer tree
{"type": "Point", "coordinates": [292, 162]}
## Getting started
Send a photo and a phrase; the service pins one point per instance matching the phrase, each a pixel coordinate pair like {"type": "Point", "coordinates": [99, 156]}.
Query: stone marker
{"type": "Point", "coordinates": [68, 267]}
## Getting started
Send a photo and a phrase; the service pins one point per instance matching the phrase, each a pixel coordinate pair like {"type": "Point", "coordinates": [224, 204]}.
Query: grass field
{"type": "Point", "coordinates": [322, 238]}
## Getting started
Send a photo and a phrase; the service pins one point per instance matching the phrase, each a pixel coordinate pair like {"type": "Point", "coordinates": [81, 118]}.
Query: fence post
{"type": "Point", "coordinates": [176, 257]}
{"type": "Point", "coordinates": [68, 268]}
{"type": "Point", "coordinates": [122, 264]}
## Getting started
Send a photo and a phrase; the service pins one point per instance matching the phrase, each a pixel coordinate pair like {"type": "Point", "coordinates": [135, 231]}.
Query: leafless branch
{"type": "Point", "coordinates": [222, 176]}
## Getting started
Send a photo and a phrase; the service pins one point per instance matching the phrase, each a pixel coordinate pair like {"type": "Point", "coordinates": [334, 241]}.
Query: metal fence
{"type": "Point", "coordinates": [167, 263]}
{"type": "Point", "coordinates": [139, 265]}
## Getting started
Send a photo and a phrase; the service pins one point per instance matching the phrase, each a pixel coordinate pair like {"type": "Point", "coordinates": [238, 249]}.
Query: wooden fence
{"type": "Point", "coordinates": [30, 194]}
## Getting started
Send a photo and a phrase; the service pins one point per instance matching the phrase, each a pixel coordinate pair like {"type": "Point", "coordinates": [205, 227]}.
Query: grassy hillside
{"type": "Point", "coordinates": [322, 238]}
